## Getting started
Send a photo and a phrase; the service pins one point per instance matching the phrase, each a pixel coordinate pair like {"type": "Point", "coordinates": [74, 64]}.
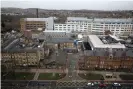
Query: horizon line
{"type": "Point", "coordinates": [67, 9]}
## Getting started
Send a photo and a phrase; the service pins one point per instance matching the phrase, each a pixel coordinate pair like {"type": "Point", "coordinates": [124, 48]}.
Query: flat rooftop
{"type": "Point", "coordinates": [60, 40]}
{"type": "Point", "coordinates": [114, 37]}
{"type": "Point", "coordinates": [20, 46]}
{"type": "Point", "coordinates": [97, 43]}
{"type": "Point", "coordinates": [39, 19]}
{"type": "Point", "coordinates": [103, 20]}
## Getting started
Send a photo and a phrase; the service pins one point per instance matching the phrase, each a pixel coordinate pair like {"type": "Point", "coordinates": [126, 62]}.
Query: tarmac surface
{"type": "Point", "coordinates": [55, 85]}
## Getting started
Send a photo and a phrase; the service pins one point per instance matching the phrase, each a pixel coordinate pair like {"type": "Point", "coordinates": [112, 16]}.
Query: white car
{"type": "Point", "coordinates": [90, 84]}
{"type": "Point", "coordinates": [70, 76]}
{"type": "Point", "coordinates": [116, 84]}
{"type": "Point", "coordinates": [96, 82]}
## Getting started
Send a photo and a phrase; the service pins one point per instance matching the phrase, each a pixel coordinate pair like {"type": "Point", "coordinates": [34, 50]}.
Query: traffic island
{"type": "Point", "coordinates": [51, 76]}
{"type": "Point", "coordinates": [91, 76]}
{"type": "Point", "coordinates": [19, 76]}
{"type": "Point", "coordinates": [126, 76]}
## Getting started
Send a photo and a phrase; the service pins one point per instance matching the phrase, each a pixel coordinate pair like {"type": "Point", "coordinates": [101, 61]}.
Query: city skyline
{"type": "Point", "coordinates": [70, 4]}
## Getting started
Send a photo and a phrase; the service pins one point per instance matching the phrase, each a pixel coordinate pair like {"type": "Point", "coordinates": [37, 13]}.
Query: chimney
{"type": "Point", "coordinates": [37, 12]}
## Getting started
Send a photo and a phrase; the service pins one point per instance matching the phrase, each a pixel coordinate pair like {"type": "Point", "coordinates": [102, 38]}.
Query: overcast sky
{"type": "Point", "coordinates": [70, 4]}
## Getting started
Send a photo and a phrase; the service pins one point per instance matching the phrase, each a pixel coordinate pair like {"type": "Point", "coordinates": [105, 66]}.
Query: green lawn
{"type": "Point", "coordinates": [49, 76]}
{"type": "Point", "coordinates": [28, 76]}
{"type": "Point", "coordinates": [126, 76]}
{"type": "Point", "coordinates": [20, 76]}
{"type": "Point", "coordinates": [91, 76]}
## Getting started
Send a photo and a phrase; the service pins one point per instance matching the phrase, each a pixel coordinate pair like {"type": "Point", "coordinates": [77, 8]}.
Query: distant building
{"type": "Point", "coordinates": [122, 27]}
{"type": "Point", "coordinates": [97, 26]}
{"type": "Point", "coordinates": [13, 14]}
{"type": "Point", "coordinates": [65, 27]}
{"type": "Point", "coordinates": [35, 23]}
{"type": "Point", "coordinates": [83, 24]}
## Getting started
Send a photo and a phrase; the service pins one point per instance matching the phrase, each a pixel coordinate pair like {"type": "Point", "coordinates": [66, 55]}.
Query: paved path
{"type": "Point", "coordinates": [103, 72]}
{"type": "Point", "coordinates": [36, 75]}
{"type": "Point", "coordinates": [72, 73]}
{"type": "Point", "coordinates": [42, 70]}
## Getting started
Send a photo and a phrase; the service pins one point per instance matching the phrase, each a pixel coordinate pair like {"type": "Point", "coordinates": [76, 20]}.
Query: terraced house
{"type": "Point", "coordinates": [121, 60]}
{"type": "Point", "coordinates": [24, 52]}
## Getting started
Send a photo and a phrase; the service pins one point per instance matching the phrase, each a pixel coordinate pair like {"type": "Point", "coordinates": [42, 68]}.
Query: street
{"type": "Point", "coordinates": [55, 85]}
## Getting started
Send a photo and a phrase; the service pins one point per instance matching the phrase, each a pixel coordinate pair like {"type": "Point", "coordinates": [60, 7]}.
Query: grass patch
{"type": "Point", "coordinates": [91, 76]}
{"type": "Point", "coordinates": [50, 76]}
{"type": "Point", "coordinates": [126, 76]}
{"type": "Point", "coordinates": [28, 76]}
{"type": "Point", "coordinates": [19, 76]}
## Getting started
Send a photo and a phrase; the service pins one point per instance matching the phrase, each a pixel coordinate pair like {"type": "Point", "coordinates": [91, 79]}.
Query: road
{"type": "Point", "coordinates": [54, 85]}
{"type": "Point", "coordinates": [72, 74]}
{"type": "Point", "coordinates": [28, 84]}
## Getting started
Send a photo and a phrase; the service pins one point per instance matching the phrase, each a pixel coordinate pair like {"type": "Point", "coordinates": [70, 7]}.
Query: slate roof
{"type": "Point", "coordinates": [117, 53]}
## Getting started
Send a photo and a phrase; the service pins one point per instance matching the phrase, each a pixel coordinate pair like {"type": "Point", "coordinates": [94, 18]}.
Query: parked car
{"type": "Point", "coordinates": [116, 84]}
{"type": "Point", "coordinates": [90, 84]}
{"type": "Point", "coordinates": [102, 85]}
{"type": "Point", "coordinates": [96, 82]}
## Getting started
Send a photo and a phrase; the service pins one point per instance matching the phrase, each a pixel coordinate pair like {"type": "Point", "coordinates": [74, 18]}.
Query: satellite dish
{"type": "Point", "coordinates": [80, 36]}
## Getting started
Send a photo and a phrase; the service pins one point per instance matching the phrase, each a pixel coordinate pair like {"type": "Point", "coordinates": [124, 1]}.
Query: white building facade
{"type": "Point", "coordinates": [84, 24]}
{"type": "Point", "coordinates": [97, 26]}
{"type": "Point", "coordinates": [122, 27]}
{"type": "Point", "coordinates": [65, 27]}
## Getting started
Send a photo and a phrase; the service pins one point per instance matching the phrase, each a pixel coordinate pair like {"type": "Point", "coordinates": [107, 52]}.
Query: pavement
{"type": "Point", "coordinates": [41, 70]}
{"type": "Point", "coordinates": [36, 75]}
